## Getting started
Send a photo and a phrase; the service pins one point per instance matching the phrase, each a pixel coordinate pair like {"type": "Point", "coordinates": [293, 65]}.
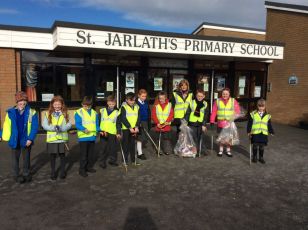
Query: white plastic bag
{"type": "Point", "coordinates": [229, 135]}
{"type": "Point", "coordinates": [185, 146]}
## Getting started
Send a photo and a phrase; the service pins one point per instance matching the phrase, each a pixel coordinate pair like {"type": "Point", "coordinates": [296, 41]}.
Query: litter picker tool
{"type": "Point", "coordinates": [151, 139]}
{"type": "Point", "coordinates": [124, 161]}
{"type": "Point", "coordinates": [159, 140]}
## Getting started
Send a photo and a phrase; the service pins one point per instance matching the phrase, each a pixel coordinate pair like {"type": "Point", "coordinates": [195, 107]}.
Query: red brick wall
{"type": "Point", "coordinates": [9, 79]}
{"type": "Point", "coordinates": [225, 33]}
{"type": "Point", "coordinates": [288, 104]}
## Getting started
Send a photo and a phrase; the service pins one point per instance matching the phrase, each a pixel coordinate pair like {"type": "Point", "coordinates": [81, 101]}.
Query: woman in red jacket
{"type": "Point", "coordinates": [162, 115]}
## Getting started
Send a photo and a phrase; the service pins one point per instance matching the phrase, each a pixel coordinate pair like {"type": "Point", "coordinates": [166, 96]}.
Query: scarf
{"type": "Point", "coordinates": [198, 108]}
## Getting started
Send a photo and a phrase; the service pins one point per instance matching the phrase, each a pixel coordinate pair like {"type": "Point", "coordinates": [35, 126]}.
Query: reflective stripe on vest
{"type": "Point", "coordinates": [181, 105]}
{"type": "Point", "coordinates": [225, 112]}
{"type": "Point", "coordinates": [7, 126]}
{"type": "Point", "coordinates": [131, 115]}
{"type": "Point", "coordinates": [193, 106]}
{"type": "Point", "coordinates": [163, 114]}
{"type": "Point", "coordinates": [108, 123]}
{"type": "Point", "coordinates": [89, 122]}
{"type": "Point", "coordinates": [259, 124]}
{"type": "Point", "coordinates": [53, 136]}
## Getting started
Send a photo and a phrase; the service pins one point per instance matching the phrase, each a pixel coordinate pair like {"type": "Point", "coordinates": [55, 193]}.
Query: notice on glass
{"type": "Point", "coordinates": [215, 95]}
{"type": "Point", "coordinates": [257, 92]}
{"type": "Point", "coordinates": [47, 96]}
{"type": "Point", "coordinates": [71, 79]}
{"type": "Point", "coordinates": [130, 80]}
{"type": "Point", "coordinates": [129, 90]}
{"type": "Point", "coordinates": [158, 83]}
{"type": "Point", "coordinates": [176, 81]}
{"type": "Point", "coordinates": [221, 82]}
{"type": "Point", "coordinates": [242, 82]}
{"type": "Point", "coordinates": [206, 87]}
{"type": "Point", "coordinates": [109, 86]}
{"type": "Point", "coordinates": [241, 91]}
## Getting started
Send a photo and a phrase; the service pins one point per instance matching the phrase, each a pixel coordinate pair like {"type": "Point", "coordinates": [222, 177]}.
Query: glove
{"type": "Point", "coordinates": [57, 128]}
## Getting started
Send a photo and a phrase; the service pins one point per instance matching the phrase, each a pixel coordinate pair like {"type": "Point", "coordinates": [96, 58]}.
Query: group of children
{"type": "Point", "coordinates": [127, 127]}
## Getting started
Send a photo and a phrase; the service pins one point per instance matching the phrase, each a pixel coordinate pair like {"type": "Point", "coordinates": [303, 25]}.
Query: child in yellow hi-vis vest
{"type": "Point", "coordinates": [56, 123]}
{"type": "Point", "coordinates": [87, 124]}
{"type": "Point", "coordinates": [259, 126]}
{"type": "Point", "coordinates": [108, 133]}
{"type": "Point", "coordinates": [129, 121]}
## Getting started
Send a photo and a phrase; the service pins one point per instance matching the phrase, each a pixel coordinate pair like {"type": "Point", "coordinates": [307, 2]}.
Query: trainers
{"type": "Point", "coordinates": [112, 163]}
{"type": "Point", "coordinates": [83, 173]}
{"type": "Point", "coordinates": [142, 157]}
{"type": "Point", "coordinates": [229, 154]}
{"type": "Point", "coordinates": [219, 154]}
{"type": "Point", "coordinates": [91, 170]}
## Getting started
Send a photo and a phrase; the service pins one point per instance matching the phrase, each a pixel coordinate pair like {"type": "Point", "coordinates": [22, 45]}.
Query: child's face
{"type": "Point", "coordinates": [86, 107]}
{"type": "Point", "coordinates": [142, 96]}
{"type": "Point", "coordinates": [130, 102]}
{"type": "Point", "coordinates": [111, 104]}
{"type": "Point", "coordinates": [162, 99]}
{"type": "Point", "coordinates": [225, 94]}
{"type": "Point", "coordinates": [57, 106]}
{"type": "Point", "coordinates": [200, 96]}
{"type": "Point", "coordinates": [261, 108]}
{"type": "Point", "coordinates": [184, 87]}
{"type": "Point", "coordinates": [21, 105]}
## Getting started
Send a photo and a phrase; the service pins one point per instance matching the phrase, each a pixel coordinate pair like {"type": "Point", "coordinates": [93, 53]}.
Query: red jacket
{"type": "Point", "coordinates": [167, 128]}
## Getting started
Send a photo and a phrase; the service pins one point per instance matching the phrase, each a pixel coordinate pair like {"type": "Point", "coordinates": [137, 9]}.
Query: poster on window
{"type": "Point", "coordinates": [109, 86]}
{"type": "Point", "coordinates": [241, 91]}
{"type": "Point", "coordinates": [130, 80]}
{"type": "Point", "coordinates": [158, 83]}
{"type": "Point", "coordinates": [71, 79]}
{"type": "Point", "coordinates": [176, 81]}
{"type": "Point", "coordinates": [242, 81]}
{"type": "Point", "coordinates": [47, 96]}
{"type": "Point", "coordinates": [206, 87]}
{"type": "Point", "coordinates": [129, 90]}
{"type": "Point", "coordinates": [257, 92]}
{"type": "Point", "coordinates": [221, 83]}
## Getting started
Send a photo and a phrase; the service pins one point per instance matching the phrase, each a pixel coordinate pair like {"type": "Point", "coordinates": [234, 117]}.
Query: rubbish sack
{"type": "Point", "coordinates": [185, 146]}
{"type": "Point", "coordinates": [229, 135]}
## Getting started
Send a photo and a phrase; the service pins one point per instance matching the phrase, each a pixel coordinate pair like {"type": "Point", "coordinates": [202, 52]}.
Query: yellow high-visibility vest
{"type": "Point", "coordinates": [54, 136]}
{"type": "Point", "coordinates": [181, 106]}
{"type": "Point", "coordinates": [131, 115]}
{"type": "Point", "coordinates": [89, 122]}
{"type": "Point", "coordinates": [225, 112]}
{"type": "Point", "coordinates": [259, 124]}
{"type": "Point", "coordinates": [108, 122]}
{"type": "Point", "coordinates": [7, 126]}
{"type": "Point", "coordinates": [193, 106]}
{"type": "Point", "coordinates": [163, 114]}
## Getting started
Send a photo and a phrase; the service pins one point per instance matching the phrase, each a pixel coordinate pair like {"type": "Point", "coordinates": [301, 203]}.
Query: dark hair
{"type": "Point", "coordinates": [130, 96]}
{"type": "Point", "coordinates": [200, 91]}
{"type": "Point", "coordinates": [142, 91]}
{"type": "Point", "coordinates": [111, 98]}
{"type": "Point", "coordinates": [87, 100]}
{"type": "Point", "coordinates": [162, 93]}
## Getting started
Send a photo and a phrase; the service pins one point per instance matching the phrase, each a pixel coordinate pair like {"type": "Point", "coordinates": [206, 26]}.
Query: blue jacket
{"type": "Point", "coordinates": [14, 131]}
{"type": "Point", "coordinates": [79, 126]}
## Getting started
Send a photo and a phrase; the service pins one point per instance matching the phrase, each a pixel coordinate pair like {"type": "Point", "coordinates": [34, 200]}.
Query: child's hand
{"type": "Point", "coordinates": [131, 130]}
{"type": "Point", "coordinates": [28, 143]}
{"type": "Point", "coordinates": [204, 129]}
{"type": "Point", "coordinates": [0, 139]}
{"type": "Point", "coordinates": [136, 130]}
{"type": "Point", "coordinates": [119, 136]}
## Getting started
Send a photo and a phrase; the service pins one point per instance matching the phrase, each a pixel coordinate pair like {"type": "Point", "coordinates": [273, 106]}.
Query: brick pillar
{"type": "Point", "coordinates": [10, 79]}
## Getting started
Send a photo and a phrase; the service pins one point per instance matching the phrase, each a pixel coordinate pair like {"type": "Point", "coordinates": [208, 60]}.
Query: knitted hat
{"type": "Point", "coordinates": [21, 96]}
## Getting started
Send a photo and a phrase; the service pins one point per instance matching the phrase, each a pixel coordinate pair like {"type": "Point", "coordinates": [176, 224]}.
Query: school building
{"type": "Point", "coordinates": [74, 60]}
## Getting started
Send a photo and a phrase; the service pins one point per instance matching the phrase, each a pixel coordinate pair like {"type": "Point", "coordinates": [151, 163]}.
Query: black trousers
{"type": "Point", "coordinates": [128, 145]}
{"type": "Point", "coordinates": [255, 147]}
{"type": "Point", "coordinates": [53, 157]}
{"type": "Point", "coordinates": [109, 148]}
{"type": "Point", "coordinates": [197, 135]}
{"type": "Point", "coordinates": [25, 152]}
{"type": "Point", "coordinates": [87, 155]}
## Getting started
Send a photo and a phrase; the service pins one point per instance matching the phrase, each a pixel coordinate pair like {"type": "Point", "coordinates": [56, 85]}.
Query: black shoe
{"type": "Point", "coordinates": [63, 175]}
{"type": "Point", "coordinates": [103, 165]}
{"type": "Point", "coordinates": [91, 170]}
{"type": "Point", "coordinates": [112, 163]}
{"type": "Point", "coordinates": [53, 177]}
{"type": "Point", "coordinates": [83, 173]}
{"type": "Point", "coordinates": [20, 179]}
{"type": "Point", "coordinates": [142, 157]}
{"type": "Point", "coordinates": [254, 160]}
{"type": "Point", "coordinates": [28, 178]}
{"type": "Point", "coordinates": [262, 160]}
